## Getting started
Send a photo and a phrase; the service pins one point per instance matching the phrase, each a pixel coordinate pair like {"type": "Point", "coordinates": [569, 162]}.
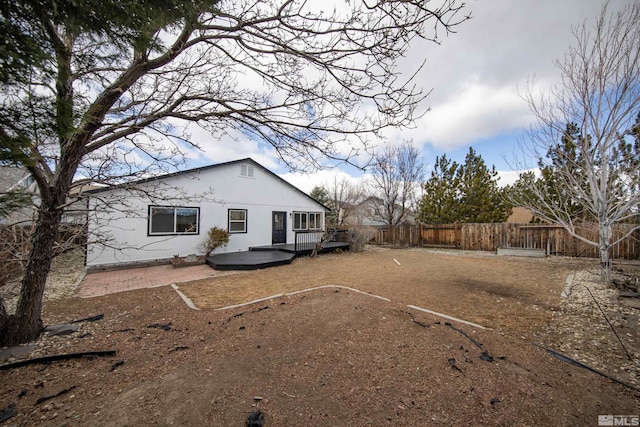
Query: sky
{"type": "Point", "coordinates": [477, 76]}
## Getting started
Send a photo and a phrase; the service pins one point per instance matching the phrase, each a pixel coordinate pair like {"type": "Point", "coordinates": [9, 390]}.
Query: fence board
{"type": "Point", "coordinates": [554, 239]}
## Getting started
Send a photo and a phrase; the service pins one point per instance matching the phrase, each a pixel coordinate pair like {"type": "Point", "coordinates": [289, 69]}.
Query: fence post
{"type": "Point", "coordinates": [457, 237]}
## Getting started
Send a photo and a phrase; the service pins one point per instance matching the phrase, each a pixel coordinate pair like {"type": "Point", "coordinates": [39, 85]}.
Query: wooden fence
{"type": "Point", "coordinates": [554, 239]}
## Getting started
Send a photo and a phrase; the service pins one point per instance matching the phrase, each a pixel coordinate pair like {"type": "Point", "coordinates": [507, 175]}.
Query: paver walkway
{"type": "Point", "coordinates": [108, 282]}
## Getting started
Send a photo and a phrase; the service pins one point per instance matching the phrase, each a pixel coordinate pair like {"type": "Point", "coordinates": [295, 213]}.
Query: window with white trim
{"type": "Point", "coordinates": [246, 170]}
{"type": "Point", "coordinates": [237, 220]}
{"type": "Point", "coordinates": [307, 221]}
{"type": "Point", "coordinates": [173, 220]}
{"type": "Point", "coordinates": [300, 221]}
{"type": "Point", "coordinates": [315, 221]}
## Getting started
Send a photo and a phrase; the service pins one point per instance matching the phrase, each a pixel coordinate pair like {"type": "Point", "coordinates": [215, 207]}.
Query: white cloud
{"type": "Point", "coordinates": [475, 75]}
{"type": "Point", "coordinates": [510, 177]}
{"type": "Point", "coordinates": [477, 72]}
{"type": "Point", "coordinates": [229, 146]}
{"type": "Point", "coordinates": [306, 182]}
{"type": "Point", "coordinates": [478, 111]}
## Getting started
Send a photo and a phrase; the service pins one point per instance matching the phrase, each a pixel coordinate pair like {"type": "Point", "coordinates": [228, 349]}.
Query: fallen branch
{"type": "Point", "coordinates": [89, 319]}
{"type": "Point", "coordinates": [417, 322]}
{"type": "Point", "coordinates": [163, 326]}
{"type": "Point", "coordinates": [60, 393]}
{"type": "Point", "coordinates": [470, 338]}
{"type": "Point", "coordinates": [116, 365]}
{"type": "Point", "coordinates": [574, 362]}
{"type": "Point", "coordinates": [452, 363]}
{"type": "Point", "coordinates": [266, 307]}
{"type": "Point", "coordinates": [58, 357]}
{"type": "Point", "coordinates": [178, 348]}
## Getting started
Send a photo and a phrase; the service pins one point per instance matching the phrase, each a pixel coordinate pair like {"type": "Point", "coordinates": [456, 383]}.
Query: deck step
{"type": "Point", "coordinates": [526, 252]}
{"type": "Point", "coordinates": [249, 260]}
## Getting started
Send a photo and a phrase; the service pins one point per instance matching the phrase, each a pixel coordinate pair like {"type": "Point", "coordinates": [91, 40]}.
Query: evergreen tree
{"type": "Point", "coordinates": [481, 200]}
{"type": "Point", "coordinates": [321, 194]}
{"type": "Point", "coordinates": [629, 165]}
{"type": "Point", "coordinates": [463, 193]}
{"type": "Point", "coordinates": [563, 184]}
{"type": "Point", "coordinates": [440, 203]}
{"type": "Point", "coordinates": [566, 155]}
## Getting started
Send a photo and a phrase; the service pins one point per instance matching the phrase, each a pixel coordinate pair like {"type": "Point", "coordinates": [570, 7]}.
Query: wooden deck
{"type": "Point", "coordinates": [249, 260]}
{"type": "Point", "coordinates": [258, 257]}
{"type": "Point", "coordinates": [303, 249]}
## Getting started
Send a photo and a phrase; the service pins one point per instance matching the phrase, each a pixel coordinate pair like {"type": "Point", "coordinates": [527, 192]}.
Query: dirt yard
{"type": "Point", "coordinates": [336, 357]}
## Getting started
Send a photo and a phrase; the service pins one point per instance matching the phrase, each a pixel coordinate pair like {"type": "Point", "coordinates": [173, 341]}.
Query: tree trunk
{"type": "Point", "coordinates": [319, 245]}
{"type": "Point", "coordinates": [4, 318]}
{"type": "Point", "coordinates": [26, 324]}
{"type": "Point", "coordinates": [605, 232]}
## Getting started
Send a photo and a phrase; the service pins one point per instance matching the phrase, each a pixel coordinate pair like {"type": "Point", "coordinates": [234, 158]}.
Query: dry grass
{"type": "Point", "coordinates": [498, 292]}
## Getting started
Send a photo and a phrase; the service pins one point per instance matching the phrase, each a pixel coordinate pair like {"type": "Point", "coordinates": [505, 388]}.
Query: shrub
{"type": "Point", "coordinates": [358, 237]}
{"type": "Point", "coordinates": [216, 238]}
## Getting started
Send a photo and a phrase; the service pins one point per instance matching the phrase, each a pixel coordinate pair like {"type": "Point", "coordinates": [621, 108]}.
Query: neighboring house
{"type": "Point", "coordinates": [364, 212]}
{"type": "Point", "coordinates": [170, 215]}
{"type": "Point", "coordinates": [17, 179]}
{"type": "Point", "coordinates": [520, 215]}
{"type": "Point", "coordinates": [367, 212]}
{"type": "Point", "coordinates": [76, 211]}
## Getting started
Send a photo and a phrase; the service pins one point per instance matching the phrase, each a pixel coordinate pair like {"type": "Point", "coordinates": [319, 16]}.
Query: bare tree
{"type": "Point", "coordinates": [598, 99]}
{"type": "Point", "coordinates": [397, 174]}
{"type": "Point", "coordinates": [104, 89]}
{"type": "Point", "coordinates": [343, 195]}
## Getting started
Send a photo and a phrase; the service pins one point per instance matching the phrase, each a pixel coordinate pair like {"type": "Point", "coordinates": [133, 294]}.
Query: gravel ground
{"type": "Point", "coordinates": [333, 356]}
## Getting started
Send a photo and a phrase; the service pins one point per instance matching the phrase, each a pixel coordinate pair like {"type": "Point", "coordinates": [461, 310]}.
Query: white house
{"type": "Point", "coordinates": [160, 217]}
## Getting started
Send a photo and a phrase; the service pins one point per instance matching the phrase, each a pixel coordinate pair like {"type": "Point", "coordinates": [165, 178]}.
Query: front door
{"type": "Point", "coordinates": [279, 227]}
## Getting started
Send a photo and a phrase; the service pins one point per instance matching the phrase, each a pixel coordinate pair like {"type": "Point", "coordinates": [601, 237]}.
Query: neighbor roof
{"type": "Point", "coordinates": [10, 176]}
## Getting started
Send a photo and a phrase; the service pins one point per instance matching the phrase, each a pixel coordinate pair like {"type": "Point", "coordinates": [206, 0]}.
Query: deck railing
{"type": "Point", "coordinates": [306, 240]}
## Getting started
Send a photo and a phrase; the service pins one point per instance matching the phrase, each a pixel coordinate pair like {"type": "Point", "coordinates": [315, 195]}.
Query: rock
{"type": "Point", "coordinates": [7, 413]}
{"type": "Point", "coordinates": [15, 352]}
{"type": "Point", "coordinates": [255, 419]}
{"type": "Point", "coordinates": [62, 329]}
{"type": "Point", "coordinates": [630, 302]}
{"type": "Point", "coordinates": [629, 294]}
{"type": "Point", "coordinates": [486, 356]}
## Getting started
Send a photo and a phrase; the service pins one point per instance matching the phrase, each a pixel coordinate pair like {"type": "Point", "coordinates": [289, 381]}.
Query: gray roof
{"type": "Point", "coordinates": [203, 168]}
{"type": "Point", "coordinates": [10, 176]}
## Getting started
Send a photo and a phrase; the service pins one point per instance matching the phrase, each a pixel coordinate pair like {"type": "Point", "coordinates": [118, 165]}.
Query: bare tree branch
{"type": "Point", "coordinates": [600, 95]}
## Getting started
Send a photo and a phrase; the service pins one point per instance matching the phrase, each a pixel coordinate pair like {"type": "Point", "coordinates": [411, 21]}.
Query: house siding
{"type": "Point", "coordinates": [260, 195]}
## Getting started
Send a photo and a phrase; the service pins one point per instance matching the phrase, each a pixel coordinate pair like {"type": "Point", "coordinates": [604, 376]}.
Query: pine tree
{"type": "Point", "coordinates": [481, 200]}
{"type": "Point", "coordinates": [440, 203]}
{"type": "Point", "coordinates": [464, 193]}
{"type": "Point", "coordinates": [321, 194]}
